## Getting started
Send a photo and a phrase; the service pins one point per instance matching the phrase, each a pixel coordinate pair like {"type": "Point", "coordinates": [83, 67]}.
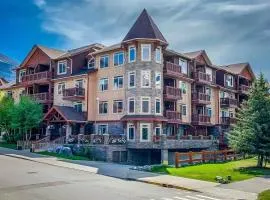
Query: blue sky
{"type": "Point", "coordinates": [230, 31]}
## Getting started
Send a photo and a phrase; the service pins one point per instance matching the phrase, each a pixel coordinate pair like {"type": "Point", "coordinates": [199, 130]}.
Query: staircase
{"type": "Point", "coordinates": [44, 145]}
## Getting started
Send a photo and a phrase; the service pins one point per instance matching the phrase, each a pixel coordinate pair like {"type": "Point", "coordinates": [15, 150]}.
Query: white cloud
{"type": "Point", "coordinates": [40, 3]}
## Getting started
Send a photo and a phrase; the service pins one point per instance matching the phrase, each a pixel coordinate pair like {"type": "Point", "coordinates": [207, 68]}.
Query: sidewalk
{"type": "Point", "coordinates": [124, 172]}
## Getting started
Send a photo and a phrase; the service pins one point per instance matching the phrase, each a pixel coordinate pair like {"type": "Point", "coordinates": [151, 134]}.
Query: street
{"type": "Point", "coordinates": [26, 180]}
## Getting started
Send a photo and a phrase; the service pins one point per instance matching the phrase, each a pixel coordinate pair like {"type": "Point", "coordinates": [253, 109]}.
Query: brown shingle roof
{"type": "Point", "coordinates": [52, 53]}
{"type": "Point", "coordinates": [144, 27]}
{"type": "Point", "coordinates": [193, 54]}
{"type": "Point", "coordinates": [235, 68]}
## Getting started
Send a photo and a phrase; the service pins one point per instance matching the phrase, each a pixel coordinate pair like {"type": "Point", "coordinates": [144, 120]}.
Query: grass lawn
{"type": "Point", "coordinates": [7, 145]}
{"type": "Point", "coordinates": [238, 170]}
{"type": "Point", "coordinates": [265, 195]}
{"type": "Point", "coordinates": [73, 157]}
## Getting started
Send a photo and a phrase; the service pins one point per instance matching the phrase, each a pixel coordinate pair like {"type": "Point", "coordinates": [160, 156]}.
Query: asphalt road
{"type": "Point", "coordinates": [26, 180]}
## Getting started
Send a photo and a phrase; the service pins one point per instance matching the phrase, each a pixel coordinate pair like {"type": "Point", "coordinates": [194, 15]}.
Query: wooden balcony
{"type": "Point", "coordinates": [201, 119]}
{"type": "Point", "coordinates": [243, 89]}
{"type": "Point", "coordinates": [41, 77]}
{"type": "Point", "coordinates": [173, 116]}
{"type": "Point", "coordinates": [172, 93]}
{"type": "Point", "coordinates": [227, 121]}
{"type": "Point", "coordinates": [44, 97]}
{"type": "Point", "coordinates": [201, 98]}
{"type": "Point", "coordinates": [74, 94]}
{"type": "Point", "coordinates": [203, 78]}
{"type": "Point", "coordinates": [228, 102]}
{"type": "Point", "coordinates": [173, 70]}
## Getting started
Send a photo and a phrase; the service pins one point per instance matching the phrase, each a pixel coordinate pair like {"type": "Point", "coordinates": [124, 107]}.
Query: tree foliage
{"type": "Point", "coordinates": [251, 134]}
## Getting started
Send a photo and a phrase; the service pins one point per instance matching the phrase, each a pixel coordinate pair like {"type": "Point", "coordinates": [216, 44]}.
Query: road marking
{"type": "Point", "coordinates": [194, 198]}
{"type": "Point", "coordinates": [180, 198]}
{"type": "Point", "coordinates": [207, 197]}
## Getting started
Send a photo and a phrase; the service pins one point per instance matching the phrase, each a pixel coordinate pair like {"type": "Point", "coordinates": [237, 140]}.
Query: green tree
{"type": "Point", "coordinates": [251, 134]}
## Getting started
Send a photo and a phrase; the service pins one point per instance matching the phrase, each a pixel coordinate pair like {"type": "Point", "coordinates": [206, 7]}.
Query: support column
{"type": "Point", "coordinates": [48, 131]}
{"type": "Point", "coordinates": [164, 150]}
{"type": "Point", "coordinates": [68, 131]}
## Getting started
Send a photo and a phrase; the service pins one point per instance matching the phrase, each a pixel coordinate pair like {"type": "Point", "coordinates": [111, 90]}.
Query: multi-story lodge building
{"type": "Point", "coordinates": [159, 100]}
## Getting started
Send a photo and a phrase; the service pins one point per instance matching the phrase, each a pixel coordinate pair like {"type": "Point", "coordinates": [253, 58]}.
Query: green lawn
{"type": "Point", "coordinates": [265, 195]}
{"type": "Point", "coordinates": [7, 145]}
{"type": "Point", "coordinates": [73, 157]}
{"type": "Point", "coordinates": [238, 170]}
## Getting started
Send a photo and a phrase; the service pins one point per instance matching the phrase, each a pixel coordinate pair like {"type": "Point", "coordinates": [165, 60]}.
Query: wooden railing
{"type": "Point", "coordinates": [72, 92]}
{"type": "Point", "coordinates": [173, 69]}
{"type": "Point", "coordinates": [204, 156]}
{"type": "Point", "coordinates": [244, 88]}
{"type": "Point", "coordinates": [45, 96]}
{"type": "Point", "coordinates": [37, 76]}
{"type": "Point", "coordinates": [227, 120]}
{"type": "Point", "coordinates": [228, 102]}
{"type": "Point", "coordinates": [201, 118]}
{"type": "Point", "coordinates": [172, 92]}
{"type": "Point", "coordinates": [200, 76]}
{"type": "Point", "coordinates": [173, 115]}
{"type": "Point", "coordinates": [198, 96]}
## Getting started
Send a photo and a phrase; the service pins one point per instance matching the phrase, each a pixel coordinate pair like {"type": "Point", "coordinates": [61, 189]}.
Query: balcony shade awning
{"type": "Point", "coordinates": [144, 118]}
{"type": "Point", "coordinates": [64, 114]}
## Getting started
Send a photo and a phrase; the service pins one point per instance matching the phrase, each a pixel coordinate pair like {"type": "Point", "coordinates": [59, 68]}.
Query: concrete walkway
{"type": "Point", "coordinates": [124, 172]}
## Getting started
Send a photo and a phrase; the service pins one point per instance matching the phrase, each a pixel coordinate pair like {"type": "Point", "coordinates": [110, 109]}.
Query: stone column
{"type": "Point", "coordinates": [164, 150]}
{"type": "Point", "coordinates": [48, 131]}
{"type": "Point", "coordinates": [68, 131]}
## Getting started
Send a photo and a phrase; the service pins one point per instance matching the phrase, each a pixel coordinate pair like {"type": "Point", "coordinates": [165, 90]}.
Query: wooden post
{"type": "Point", "coordinates": [177, 160]}
{"type": "Point", "coordinates": [225, 155]}
{"type": "Point", "coordinates": [203, 157]}
{"type": "Point", "coordinates": [190, 157]}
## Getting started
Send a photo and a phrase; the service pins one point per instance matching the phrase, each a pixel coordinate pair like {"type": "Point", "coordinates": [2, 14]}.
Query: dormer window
{"type": "Point", "coordinates": [62, 67]}
{"type": "Point", "coordinates": [146, 52]}
{"type": "Point", "coordinates": [91, 63]}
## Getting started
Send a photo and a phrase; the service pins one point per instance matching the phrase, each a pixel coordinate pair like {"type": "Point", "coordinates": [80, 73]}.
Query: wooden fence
{"type": "Point", "coordinates": [204, 156]}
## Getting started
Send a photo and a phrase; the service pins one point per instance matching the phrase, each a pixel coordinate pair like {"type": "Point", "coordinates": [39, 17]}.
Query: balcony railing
{"type": "Point", "coordinates": [172, 93]}
{"type": "Point", "coordinates": [173, 116]}
{"type": "Point", "coordinates": [227, 120]}
{"type": "Point", "coordinates": [244, 88]}
{"type": "Point", "coordinates": [41, 97]}
{"type": "Point", "coordinates": [228, 102]}
{"type": "Point", "coordinates": [201, 119]}
{"type": "Point", "coordinates": [40, 76]}
{"type": "Point", "coordinates": [74, 93]}
{"type": "Point", "coordinates": [173, 69]}
{"type": "Point", "coordinates": [202, 77]}
{"type": "Point", "coordinates": [201, 98]}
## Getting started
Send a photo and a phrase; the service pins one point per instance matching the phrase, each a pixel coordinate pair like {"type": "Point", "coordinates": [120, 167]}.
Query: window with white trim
{"type": "Point", "coordinates": [145, 105]}
{"type": "Point", "coordinates": [79, 83]}
{"type": "Point", "coordinates": [146, 52]}
{"type": "Point", "coordinates": [145, 132]}
{"type": "Point", "coordinates": [183, 87]}
{"type": "Point", "coordinates": [131, 132]}
{"type": "Point", "coordinates": [62, 67]}
{"type": "Point", "coordinates": [229, 80]}
{"type": "Point", "coordinates": [132, 54]}
{"type": "Point", "coordinates": [158, 55]}
{"type": "Point", "coordinates": [158, 106]}
{"type": "Point", "coordinates": [117, 82]}
{"type": "Point", "coordinates": [118, 58]}
{"type": "Point", "coordinates": [158, 80]}
{"type": "Point", "coordinates": [184, 109]}
{"type": "Point", "coordinates": [131, 79]}
{"type": "Point", "coordinates": [78, 106]}
{"type": "Point", "coordinates": [131, 105]}
{"type": "Point", "coordinates": [21, 74]}
{"type": "Point", "coordinates": [158, 130]}
{"type": "Point", "coordinates": [91, 63]}
{"type": "Point", "coordinates": [209, 111]}
{"type": "Point", "coordinates": [146, 79]}
{"type": "Point", "coordinates": [103, 107]}
{"type": "Point", "coordinates": [117, 106]}
{"type": "Point", "coordinates": [102, 129]}
{"type": "Point", "coordinates": [184, 66]}
{"type": "Point", "coordinates": [61, 87]}
{"type": "Point", "coordinates": [103, 84]}
{"type": "Point", "coordinates": [104, 61]}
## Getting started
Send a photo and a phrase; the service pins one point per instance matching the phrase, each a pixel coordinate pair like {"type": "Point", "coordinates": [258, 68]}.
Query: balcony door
{"type": "Point", "coordinates": [79, 84]}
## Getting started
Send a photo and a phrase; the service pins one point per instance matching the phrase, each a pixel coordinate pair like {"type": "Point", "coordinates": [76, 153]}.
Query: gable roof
{"type": "Point", "coordinates": [3, 81]}
{"type": "Point", "coordinates": [144, 28]}
{"type": "Point", "coordinates": [238, 68]}
{"type": "Point", "coordinates": [196, 54]}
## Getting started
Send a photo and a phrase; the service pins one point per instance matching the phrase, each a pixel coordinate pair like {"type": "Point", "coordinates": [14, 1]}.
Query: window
{"type": "Point", "coordinates": [78, 106]}
{"type": "Point", "coordinates": [103, 107]}
{"type": "Point", "coordinates": [131, 132]}
{"type": "Point", "coordinates": [184, 67]}
{"type": "Point", "coordinates": [61, 88]}
{"type": "Point", "coordinates": [62, 67]}
{"type": "Point", "coordinates": [146, 52]}
{"type": "Point", "coordinates": [158, 55]}
{"type": "Point", "coordinates": [131, 79]}
{"type": "Point", "coordinates": [118, 59]}
{"type": "Point", "coordinates": [91, 63]}
{"type": "Point", "coordinates": [184, 110]}
{"type": "Point", "coordinates": [79, 83]}
{"type": "Point", "coordinates": [229, 80]}
{"type": "Point", "coordinates": [183, 87]}
{"type": "Point", "coordinates": [158, 80]}
{"type": "Point", "coordinates": [158, 106]}
{"type": "Point", "coordinates": [118, 82]}
{"type": "Point", "coordinates": [132, 54]}
{"type": "Point", "coordinates": [231, 114]}
{"type": "Point", "coordinates": [208, 91]}
{"type": "Point", "coordinates": [209, 112]}
{"type": "Point", "coordinates": [158, 130]}
{"type": "Point", "coordinates": [224, 113]}
{"type": "Point", "coordinates": [131, 105]}
{"type": "Point", "coordinates": [104, 61]}
{"type": "Point", "coordinates": [145, 131]}
{"type": "Point", "coordinates": [146, 78]}
{"type": "Point", "coordinates": [102, 129]}
{"type": "Point", "coordinates": [145, 105]}
{"type": "Point", "coordinates": [117, 106]}
{"type": "Point", "coordinates": [21, 74]}
{"type": "Point", "coordinates": [103, 84]}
